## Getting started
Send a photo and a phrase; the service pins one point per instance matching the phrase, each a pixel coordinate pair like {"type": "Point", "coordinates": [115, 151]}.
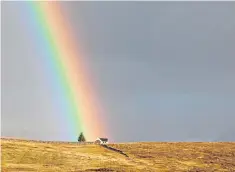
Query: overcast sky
{"type": "Point", "coordinates": [164, 71]}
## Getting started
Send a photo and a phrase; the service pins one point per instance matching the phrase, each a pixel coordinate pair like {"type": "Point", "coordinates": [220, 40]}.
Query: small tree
{"type": "Point", "coordinates": [81, 138]}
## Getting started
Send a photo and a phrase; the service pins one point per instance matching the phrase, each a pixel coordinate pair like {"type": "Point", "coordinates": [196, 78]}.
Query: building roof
{"type": "Point", "coordinates": [103, 139]}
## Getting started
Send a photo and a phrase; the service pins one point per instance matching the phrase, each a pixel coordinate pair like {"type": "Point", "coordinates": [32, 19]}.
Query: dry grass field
{"type": "Point", "coordinates": [22, 155]}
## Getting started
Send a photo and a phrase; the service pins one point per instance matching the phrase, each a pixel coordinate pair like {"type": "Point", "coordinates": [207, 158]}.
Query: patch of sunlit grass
{"type": "Point", "coordinates": [20, 155]}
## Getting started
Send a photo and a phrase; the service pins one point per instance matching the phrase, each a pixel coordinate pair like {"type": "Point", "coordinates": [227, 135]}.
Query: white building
{"type": "Point", "coordinates": [101, 141]}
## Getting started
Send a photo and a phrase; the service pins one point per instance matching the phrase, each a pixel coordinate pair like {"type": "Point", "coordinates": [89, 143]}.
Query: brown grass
{"type": "Point", "coordinates": [21, 155]}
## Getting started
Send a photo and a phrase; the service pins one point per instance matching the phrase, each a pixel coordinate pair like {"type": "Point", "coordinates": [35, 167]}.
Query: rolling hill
{"type": "Point", "coordinates": [26, 155]}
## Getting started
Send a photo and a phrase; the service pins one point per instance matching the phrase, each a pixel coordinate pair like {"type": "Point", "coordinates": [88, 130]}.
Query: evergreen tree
{"type": "Point", "coordinates": [81, 138]}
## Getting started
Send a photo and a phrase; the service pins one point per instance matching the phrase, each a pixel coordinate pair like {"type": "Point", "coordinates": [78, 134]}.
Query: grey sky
{"type": "Point", "coordinates": [163, 70]}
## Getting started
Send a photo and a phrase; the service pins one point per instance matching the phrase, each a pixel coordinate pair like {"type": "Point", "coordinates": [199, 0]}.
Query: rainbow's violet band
{"type": "Point", "coordinates": [67, 63]}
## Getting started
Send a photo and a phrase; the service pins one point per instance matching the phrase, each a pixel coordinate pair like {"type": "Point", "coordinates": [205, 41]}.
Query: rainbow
{"type": "Point", "coordinates": [82, 110]}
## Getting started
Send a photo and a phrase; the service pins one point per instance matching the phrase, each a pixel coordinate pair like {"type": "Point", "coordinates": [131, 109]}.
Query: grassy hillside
{"type": "Point", "coordinates": [20, 155]}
